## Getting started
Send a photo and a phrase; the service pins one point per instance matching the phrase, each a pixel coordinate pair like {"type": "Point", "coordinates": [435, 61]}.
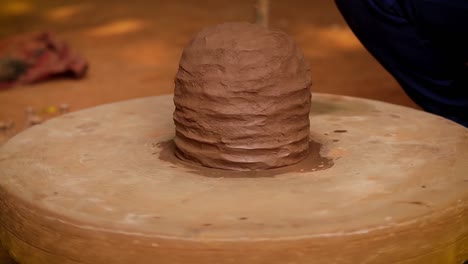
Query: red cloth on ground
{"type": "Point", "coordinates": [35, 57]}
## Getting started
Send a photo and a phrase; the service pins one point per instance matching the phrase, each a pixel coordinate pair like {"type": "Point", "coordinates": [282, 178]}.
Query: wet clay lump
{"type": "Point", "coordinates": [242, 98]}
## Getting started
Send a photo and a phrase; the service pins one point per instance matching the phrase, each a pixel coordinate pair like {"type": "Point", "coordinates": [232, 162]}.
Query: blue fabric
{"type": "Point", "coordinates": [423, 44]}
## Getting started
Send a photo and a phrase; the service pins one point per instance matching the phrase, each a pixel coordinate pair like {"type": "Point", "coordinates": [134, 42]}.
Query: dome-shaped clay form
{"type": "Point", "coordinates": [242, 97]}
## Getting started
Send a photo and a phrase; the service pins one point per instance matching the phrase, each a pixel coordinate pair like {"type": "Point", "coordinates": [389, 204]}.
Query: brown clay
{"type": "Point", "coordinates": [242, 97]}
{"type": "Point", "coordinates": [91, 187]}
{"type": "Point", "coordinates": [312, 163]}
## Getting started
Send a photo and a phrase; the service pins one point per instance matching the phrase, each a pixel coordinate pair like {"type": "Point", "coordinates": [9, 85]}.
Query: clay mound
{"type": "Point", "coordinates": [242, 97]}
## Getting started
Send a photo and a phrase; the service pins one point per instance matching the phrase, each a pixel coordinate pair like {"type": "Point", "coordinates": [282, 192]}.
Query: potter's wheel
{"type": "Point", "coordinates": [101, 186]}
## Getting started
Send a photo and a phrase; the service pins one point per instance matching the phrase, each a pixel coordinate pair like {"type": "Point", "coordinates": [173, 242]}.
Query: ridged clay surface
{"type": "Point", "coordinates": [242, 97]}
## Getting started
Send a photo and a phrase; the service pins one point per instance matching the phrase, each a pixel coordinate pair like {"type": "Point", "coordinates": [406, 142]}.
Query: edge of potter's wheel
{"type": "Point", "coordinates": [458, 210]}
{"type": "Point", "coordinates": [16, 244]}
